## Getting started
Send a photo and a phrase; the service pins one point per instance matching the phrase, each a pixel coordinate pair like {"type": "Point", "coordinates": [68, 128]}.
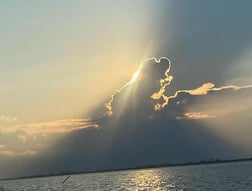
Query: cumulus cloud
{"type": "Point", "coordinates": [143, 125]}
{"type": "Point", "coordinates": [154, 82]}
{"type": "Point", "coordinates": [147, 70]}
{"type": "Point", "coordinates": [135, 132]}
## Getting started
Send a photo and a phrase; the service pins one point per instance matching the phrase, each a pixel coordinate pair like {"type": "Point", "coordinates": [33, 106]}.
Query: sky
{"type": "Point", "coordinates": [89, 85]}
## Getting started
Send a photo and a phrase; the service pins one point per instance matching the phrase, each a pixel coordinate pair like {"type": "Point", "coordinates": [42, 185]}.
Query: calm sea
{"type": "Point", "coordinates": [229, 176]}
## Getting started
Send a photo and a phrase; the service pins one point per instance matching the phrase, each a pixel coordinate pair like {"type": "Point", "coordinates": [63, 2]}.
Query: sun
{"type": "Point", "coordinates": [135, 76]}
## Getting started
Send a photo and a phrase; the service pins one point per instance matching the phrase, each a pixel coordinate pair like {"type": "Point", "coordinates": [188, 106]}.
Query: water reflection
{"type": "Point", "coordinates": [150, 179]}
{"type": "Point", "coordinates": [224, 177]}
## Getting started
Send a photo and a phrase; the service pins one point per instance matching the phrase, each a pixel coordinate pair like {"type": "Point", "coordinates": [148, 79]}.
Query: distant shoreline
{"type": "Point", "coordinates": [211, 161]}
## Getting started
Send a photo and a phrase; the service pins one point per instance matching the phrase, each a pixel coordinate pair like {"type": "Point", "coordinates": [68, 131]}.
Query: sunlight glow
{"type": "Point", "coordinates": [163, 82]}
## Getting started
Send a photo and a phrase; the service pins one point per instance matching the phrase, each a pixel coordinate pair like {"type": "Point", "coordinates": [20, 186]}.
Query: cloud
{"type": "Point", "coordinates": [51, 127]}
{"type": "Point", "coordinates": [31, 139]}
{"type": "Point", "coordinates": [144, 71]}
{"type": "Point", "coordinates": [195, 115]}
{"type": "Point", "coordinates": [133, 131]}
{"type": "Point", "coordinates": [156, 73]}
{"type": "Point", "coordinates": [204, 89]}
{"type": "Point", "coordinates": [12, 153]}
{"type": "Point", "coordinates": [8, 119]}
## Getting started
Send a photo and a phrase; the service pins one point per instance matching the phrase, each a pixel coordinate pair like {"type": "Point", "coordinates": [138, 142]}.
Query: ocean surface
{"type": "Point", "coordinates": [226, 176]}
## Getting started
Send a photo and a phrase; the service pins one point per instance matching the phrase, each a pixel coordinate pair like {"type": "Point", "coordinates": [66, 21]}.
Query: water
{"type": "Point", "coordinates": [229, 176]}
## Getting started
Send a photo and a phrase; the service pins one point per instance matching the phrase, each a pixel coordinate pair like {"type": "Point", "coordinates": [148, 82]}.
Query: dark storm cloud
{"type": "Point", "coordinates": [136, 134]}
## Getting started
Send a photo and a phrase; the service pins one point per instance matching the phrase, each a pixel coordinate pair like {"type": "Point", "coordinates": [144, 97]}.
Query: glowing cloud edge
{"type": "Point", "coordinates": [108, 105]}
{"type": "Point", "coordinates": [164, 82]}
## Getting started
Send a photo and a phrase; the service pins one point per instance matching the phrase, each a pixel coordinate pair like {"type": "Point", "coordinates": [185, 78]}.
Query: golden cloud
{"type": "Point", "coordinates": [51, 127]}
{"type": "Point", "coordinates": [195, 116]}
{"type": "Point", "coordinates": [204, 89]}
